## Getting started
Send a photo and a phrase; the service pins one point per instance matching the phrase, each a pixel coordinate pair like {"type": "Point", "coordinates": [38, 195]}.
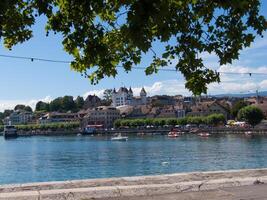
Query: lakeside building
{"type": "Point", "coordinates": [59, 117]}
{"type": "Point", "coordinates": [148, 111]}
{"type": "Point", "coordinates": [162, 100]}
{"type": "Point", "coordinates": [18, 117]}
{"type": "Point", "coordinates": [102, 115]}
{"type": "Point", "coordinates": [208, 108]}
{"type": "Point", "coordinates": [125, 97]}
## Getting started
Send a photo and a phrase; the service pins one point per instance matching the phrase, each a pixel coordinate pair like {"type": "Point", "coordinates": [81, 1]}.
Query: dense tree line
{"type": "Point", "coordinates": [50, 126]}
{"type": "Point", "coordinates": [21, 107]}
{"type": "Point", "coordinates": [45, 127]}
{"type": "Point", "coordinates": [61, 104]}
{"type": "Point", "coordinates": [214, 119]}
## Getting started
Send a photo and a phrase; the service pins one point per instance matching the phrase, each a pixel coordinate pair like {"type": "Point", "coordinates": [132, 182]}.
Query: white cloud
{"type": "Point", "coordinates": [232, 87]}
{"type": "Point", "coordinates": [99, 93]}
{"type": "Point", "coordinates": [242, 69]}
{"type": "Point", "coordinates": [263, 84]}
{"type": "Point", "coordinates": [10, 104]}
{"type": "Point", "coordinates": [169, 87]}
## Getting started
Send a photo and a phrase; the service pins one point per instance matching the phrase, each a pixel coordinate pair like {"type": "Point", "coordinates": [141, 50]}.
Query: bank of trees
{"type": "Point", "coordinates": [50, 126]}
{"type": "Point", "coordinates": [251, 114]}
{"type": "Point", "coordinates": [214, 120]}
{"type": "Point", "coordinates": [61, 104]}
{"type": "Point", "coordinates": [45, 127]}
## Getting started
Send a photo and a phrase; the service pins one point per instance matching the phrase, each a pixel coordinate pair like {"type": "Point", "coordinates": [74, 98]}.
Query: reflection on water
{"type": "Point", "coordinates": [62, 158]}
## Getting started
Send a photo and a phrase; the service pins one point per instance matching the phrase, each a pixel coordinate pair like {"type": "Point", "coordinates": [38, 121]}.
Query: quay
{"type": "Point", "coordinates": [146, 132]}
{"type": "Point", "coordinates": [227, 185]}
{"type": "Point", "coordinates": [143, 131]}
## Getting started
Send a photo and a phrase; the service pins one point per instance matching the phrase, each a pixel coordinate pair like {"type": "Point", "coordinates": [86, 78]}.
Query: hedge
{"type": "Point", "coordinates": [213, 119]}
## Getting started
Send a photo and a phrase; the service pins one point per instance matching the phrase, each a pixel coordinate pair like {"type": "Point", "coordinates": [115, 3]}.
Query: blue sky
{"type": "Point", "coordinates": [23, 81]}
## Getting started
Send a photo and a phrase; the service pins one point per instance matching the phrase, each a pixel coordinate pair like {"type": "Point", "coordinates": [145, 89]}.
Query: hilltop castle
{"type": "Point", "coordinates": [125, 97]}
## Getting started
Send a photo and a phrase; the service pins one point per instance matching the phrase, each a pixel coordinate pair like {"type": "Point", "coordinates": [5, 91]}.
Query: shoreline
{"type": "Point", "coordinates": [142, 132]}
{"type": "Point", "coordinates": [135, 186]}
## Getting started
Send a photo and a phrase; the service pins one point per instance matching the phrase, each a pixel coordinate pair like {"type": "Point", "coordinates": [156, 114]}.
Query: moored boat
{"type": "Point", "coordinates": [119, 137]}
{"type": "Point", "coordinates": [203, 134]}
{"type": "Point", "coordinates": [248, 133]}
{"type": "Point", "coordinates": [174, 133]}
{"type": "Point", "coordinates": [89, 130]}
{"type": "Point", "coordinates": [10, 131]}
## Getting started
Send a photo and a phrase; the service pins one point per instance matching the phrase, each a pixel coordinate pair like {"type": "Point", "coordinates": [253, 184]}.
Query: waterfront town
{"type": "Point", "coordinates": [119, 105]}
{"type": "Point", "coordinates": [132, 100]}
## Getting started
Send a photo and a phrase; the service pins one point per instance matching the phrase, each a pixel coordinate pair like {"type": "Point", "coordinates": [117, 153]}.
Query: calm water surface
{"type": "Point", "coordinates": [35, 159]}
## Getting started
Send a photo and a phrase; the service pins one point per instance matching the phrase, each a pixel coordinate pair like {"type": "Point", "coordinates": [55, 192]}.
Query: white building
{"type": "Point", "coordinates": [125, 97]}
{"type": "Point", "coordinates": [102, 115]}
{"type": "Point", "coordinates": [18, 117]}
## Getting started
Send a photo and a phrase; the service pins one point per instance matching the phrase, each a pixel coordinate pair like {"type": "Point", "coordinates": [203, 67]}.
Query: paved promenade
{"type": "Point", "coordinates": [223, 185]}
{"type": "Point", "coordinates": [255, 192]}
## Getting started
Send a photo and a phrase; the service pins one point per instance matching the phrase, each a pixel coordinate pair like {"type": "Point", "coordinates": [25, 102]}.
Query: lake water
{"type": "Point", "coordinates": [34, 159]}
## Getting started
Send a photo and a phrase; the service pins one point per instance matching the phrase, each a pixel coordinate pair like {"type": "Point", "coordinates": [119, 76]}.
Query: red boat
{"type": "Point", "coordinates": [203, 134]}
{"type": "Point", "coordinates": [174, 133]}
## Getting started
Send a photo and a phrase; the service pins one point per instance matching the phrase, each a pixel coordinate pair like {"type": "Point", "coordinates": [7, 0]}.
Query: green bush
{"type": "Point", "coordinates": [251, 114]}
{"type": "Point", "coordinates": [53, 126]}
{"type": "Point", "coordinates": [214, 119]}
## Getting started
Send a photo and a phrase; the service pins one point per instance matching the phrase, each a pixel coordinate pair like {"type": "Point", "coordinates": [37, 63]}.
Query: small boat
{"type": "Point", "coordinates": [89, 130]}
{"type": "Point", "coordinates": [79, 134]}
{"type": "Point", "coordinates": [174, 134]}
{"type": "Point", "coordinates": [203, 134]}
{"type": "Point", "coordinates": [248, 133]}
{"type": "Point", "coordinates": [10, 131]}
{"type": "Point", "coordinates": [119, 137]}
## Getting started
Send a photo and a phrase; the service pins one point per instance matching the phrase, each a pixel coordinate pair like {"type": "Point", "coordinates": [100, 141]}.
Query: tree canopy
{"type": "Point", "coordinates": [251, 114]}
{"type": "Point", "coordinates": [213, 120]}
{"type": "Point", "coordinates": [62, 104]}
{"type": "Point", "coordinates": [104, 35]}
{"type": "Point", "coordinates": [79, 102]}
{"type": "Point", "coordinates": [42, 106]}
{"type": "Point", "coordinates": [23, 107]}
{"type": "Point", "coordinates": [237, 106]}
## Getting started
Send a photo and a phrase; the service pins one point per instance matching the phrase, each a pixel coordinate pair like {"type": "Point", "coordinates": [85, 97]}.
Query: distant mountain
{"type": "Point", "coordinates": [262, 93]}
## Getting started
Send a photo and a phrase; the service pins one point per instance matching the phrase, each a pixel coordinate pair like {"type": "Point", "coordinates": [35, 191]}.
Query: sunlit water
{"type": "Point", "coordinates": [34, 159]}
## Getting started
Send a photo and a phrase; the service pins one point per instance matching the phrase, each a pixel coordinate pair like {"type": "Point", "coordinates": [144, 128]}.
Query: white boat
{"type": "Point", "coordinates": [248, 133]}
{"type": "Point", "coordinates": [89, 130]}
{"type": "Point", "coordinates": [119, 138]}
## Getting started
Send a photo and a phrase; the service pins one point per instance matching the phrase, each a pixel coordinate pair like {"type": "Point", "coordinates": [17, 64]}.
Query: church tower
{"type": "Point", "coordinates": [143, 96]}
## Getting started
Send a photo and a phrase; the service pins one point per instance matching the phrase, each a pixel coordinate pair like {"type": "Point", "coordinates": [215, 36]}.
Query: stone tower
{"type": "Point", "coordinates": [143, 96]}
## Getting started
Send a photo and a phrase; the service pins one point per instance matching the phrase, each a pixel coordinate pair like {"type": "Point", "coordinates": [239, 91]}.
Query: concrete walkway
{"type": "Point", "coordinates": [256, 192]}
{"type": "Point", "coordinates": [216, 185]}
